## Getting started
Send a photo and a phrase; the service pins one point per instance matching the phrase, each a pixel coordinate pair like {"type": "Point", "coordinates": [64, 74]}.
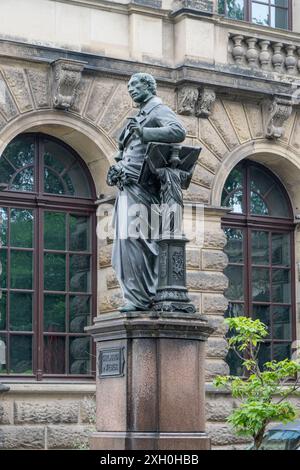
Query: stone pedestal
{"type": "Point", "coordinates": [150, 381]}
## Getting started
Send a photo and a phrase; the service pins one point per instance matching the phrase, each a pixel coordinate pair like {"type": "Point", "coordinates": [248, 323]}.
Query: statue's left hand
{"type": "Point", "coordinates": [135, 128]}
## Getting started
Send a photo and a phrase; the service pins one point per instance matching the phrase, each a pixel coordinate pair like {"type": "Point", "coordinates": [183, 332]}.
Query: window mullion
{"type": "Point", "coordinates": [39, 304]}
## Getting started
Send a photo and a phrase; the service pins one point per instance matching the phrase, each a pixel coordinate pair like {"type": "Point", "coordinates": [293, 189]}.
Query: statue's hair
{"type": "Point", "coordinates": [148, 79]}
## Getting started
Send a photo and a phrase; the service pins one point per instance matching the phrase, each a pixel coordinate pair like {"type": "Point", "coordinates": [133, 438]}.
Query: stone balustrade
{"type": "Point", "coordinates": [264, 54]}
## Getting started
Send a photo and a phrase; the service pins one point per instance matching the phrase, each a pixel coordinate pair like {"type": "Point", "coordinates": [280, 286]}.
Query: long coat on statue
{"type": "Point", "coordinates": [135, 253]}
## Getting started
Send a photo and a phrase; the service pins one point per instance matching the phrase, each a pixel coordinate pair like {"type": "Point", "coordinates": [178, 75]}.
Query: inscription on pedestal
{"type": "Point", "coordinates": [111, 362]}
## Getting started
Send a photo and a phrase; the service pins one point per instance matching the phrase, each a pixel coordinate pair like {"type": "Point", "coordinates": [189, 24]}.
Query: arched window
{"type": "Point", "coordinates": [47, 254]}
{"type": "Point", "coordinates": [260, 244]}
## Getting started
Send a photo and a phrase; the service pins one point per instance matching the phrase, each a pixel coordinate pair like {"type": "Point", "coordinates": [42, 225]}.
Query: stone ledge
{"type": "Point", "coordinates": [48, 388]}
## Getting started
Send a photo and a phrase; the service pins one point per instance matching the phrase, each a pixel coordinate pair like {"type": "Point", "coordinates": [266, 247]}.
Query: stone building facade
{"type": "Point", "coordinates": [64, 67]}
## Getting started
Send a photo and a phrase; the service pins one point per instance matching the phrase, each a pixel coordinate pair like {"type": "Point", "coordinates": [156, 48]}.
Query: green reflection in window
{"type": "Point", "coordinates": [3, 227]}
{"type": "Point", "coordinates": [234, 247]}
{"type": "Point", "coordinates": [235, 290]}
{"type": "Point", "coordinates": [3, 296]}
{"type": "Point", "coordinates": [54, 272]}
{"type": "Point", "coordinates": [54, 355]}
{"type": "Point", "coordinates": [20, 311]}
{"type": "Point", "coordinates": [3, 354]}
{"type": "Point", "coordinates": [282, 323]}
{"type": "Point", "coordinates": [54, 230]}
{"type": "Point", "coordinates": [54, 312]}
{"type": "Point", "coordinates": [281, 254]}
{"type": "Point", "coordinates": [79, 273]}
{"type": "Point", "coordinates": [21, 354]}
{"type": "Point", "coordinates": [21, 275]}
{"type": "Point", "coordinates": [21, 226]}
{"type": "Point", "coordinates": [79, 233]}
{"type": "Point", "coordinates": [281, 286]}
{"type": "Point", "coordinates": [3, 267]}
{"type": "Point", "coordinates": [258, 205]}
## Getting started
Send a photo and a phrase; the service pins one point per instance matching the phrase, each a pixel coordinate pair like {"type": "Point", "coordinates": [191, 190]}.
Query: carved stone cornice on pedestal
{"type": "Point", "coordinates": [207, 97]}
{"type": "Point", "coordinates": [276, 112]}
{"type": "Point", "coordinates": [192, 101]}
{"type": "Point", "coordinates": [65, 80]}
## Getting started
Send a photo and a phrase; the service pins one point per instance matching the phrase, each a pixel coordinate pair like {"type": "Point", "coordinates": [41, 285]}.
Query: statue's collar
{"type": "Point", "coordinates": [149, 105]}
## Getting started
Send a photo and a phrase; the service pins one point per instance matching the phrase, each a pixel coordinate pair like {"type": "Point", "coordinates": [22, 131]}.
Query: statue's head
{"type": "Point", "coordinates": [141, 87]}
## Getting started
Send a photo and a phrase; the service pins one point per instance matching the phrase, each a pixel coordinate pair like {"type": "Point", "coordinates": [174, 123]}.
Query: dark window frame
{"type": "Point", "coordinates": [248, 13]}
{"type": "Point", "coordinates": [41, 202]}
{"type": "Point", "coordinates": [248, 222]}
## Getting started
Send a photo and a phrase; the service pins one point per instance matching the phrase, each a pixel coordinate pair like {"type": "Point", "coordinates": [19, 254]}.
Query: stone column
{"type": "Point", "coordinates": [150, 381]}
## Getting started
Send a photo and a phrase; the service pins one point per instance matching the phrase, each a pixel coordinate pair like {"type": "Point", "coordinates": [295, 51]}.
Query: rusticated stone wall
{"type": "Point", "coordinates": [49, 418]}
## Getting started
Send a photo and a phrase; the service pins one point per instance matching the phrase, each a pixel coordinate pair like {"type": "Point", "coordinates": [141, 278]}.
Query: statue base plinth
{"type": "Point", "coordinates": [150, 381]}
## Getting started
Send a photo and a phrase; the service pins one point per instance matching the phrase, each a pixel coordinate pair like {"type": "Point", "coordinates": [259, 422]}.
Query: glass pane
{"type": "Point", "coordinates": [235, 9]}
{"type": "Point", "coordinates": [260, 285]}
{"type": "Point", "coordinates": [54, 230]}
{"type": "Point", "coordinates": [20, 311]}
{"type": "Point", "coordinates": [260, 247]}
{"type": "Point", "coordinates": [6, 173]}
{"type": "Point", "coordinates": [235, 202]}
{"type": "Point", "coordinates": [20, 152]}
{"type": "Point", "coordinates": [21, 226]}
{"type": "Point", "coordinates": [235, 289]}
{"type": "Point", "coordinates": [235, 310]}
{"type": "Point", "coordinates": [52, 183]}
{"type": "Point", "coordinates": [79, 273]}
{"type": "Point", "coordinates": [23, 180]}
{"type": "Point", "coordinates": [21, 354]}
{"type": "Point", "coordinates": [260, 14]}
{"type": "Point", "coordinates": [63, 175]}
{"type": "Point", "coordinates": [21, 274]}
{"type": "Point", "coordinates": [234, 246]}
{"type": "Point", "coordinates": [80, 355]}
{"type": "Point", "coordinates": [262, 313]}
{"type": "Point", "coordinates": [281, 351]}
{"type": "Point", "coordinates": [79, 233]}
{"type": "Point", "coordinates": [277, 203]}
{"type": "Point", "coordinates": [221, 7]}
{"type": "Point", "coordinates": [258, 205]}
{"type": "Point", "coordinates": [3, 226]}
{"type": "Point", "coordinates": [264, 354]}
{"type": "Point", "coordinates": [235, 364]}
{"type": "Point", "coordinates": [2, 310]}
{"type": "Point", "coordinates": [54, 313]}
{"type": "Point", "coordinates": [54, 272]}
{"type": "Point", "coordinates": [3, 268]}
{"type": "Point", "coordinates": [282, 328]}
{"type": "Point", "coordinates": [54, 355]}
{"type": "Point", "coordinates": [3, 358]}
{"type": "Point", "coordinates": [280, 3]}
{"type": "Point", "coordinates": [281, 286]}
{"type": "Point", "coordinates": [281, 254]}
{"type": "Point", "coordinates": [279, 18]}
{"type": "Point", "coordinates": [80, 313]}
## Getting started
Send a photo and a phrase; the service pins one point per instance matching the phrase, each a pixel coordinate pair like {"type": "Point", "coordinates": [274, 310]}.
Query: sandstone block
{"type": "Point", "coordinates": [214, 259]}
{"type": "Point", "coordinates": [46, 412]}
{"type": "Point", "coordinates": [22, 437]}
{"type": "Point", "coordinates": [207, 281]}
{"type": "Point", "coordinates": [67, 437]}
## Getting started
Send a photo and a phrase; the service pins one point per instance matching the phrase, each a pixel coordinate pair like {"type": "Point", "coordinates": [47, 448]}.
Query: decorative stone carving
{"type": "Point", "coordinates": [205, 102]}
{"type": "Point", "coordinates": [276, 112]}
{"type": "Point", "coordinates": [66, 78]}
{"type": "Point", "coordinates": [187, 97]}
{"type": "Point", "coordinates": [194, 5]}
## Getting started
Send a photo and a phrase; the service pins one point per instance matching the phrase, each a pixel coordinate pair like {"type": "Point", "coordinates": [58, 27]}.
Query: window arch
{"type": "Point", "coordinates": [47, 254]}
{"type": "Point", "coordinates": [260, 240]}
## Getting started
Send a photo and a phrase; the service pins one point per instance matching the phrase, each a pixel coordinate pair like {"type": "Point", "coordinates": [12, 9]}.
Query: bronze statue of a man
{"type": "Point", "coordinates": [135, 258]}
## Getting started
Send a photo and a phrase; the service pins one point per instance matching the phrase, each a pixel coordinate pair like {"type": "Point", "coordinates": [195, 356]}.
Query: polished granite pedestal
{"type": "Point", "coordinates": [150, 381]}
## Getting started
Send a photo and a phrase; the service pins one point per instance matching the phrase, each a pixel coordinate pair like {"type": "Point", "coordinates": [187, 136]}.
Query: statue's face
{"type": "Point", "coordinates": [138, 90]}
